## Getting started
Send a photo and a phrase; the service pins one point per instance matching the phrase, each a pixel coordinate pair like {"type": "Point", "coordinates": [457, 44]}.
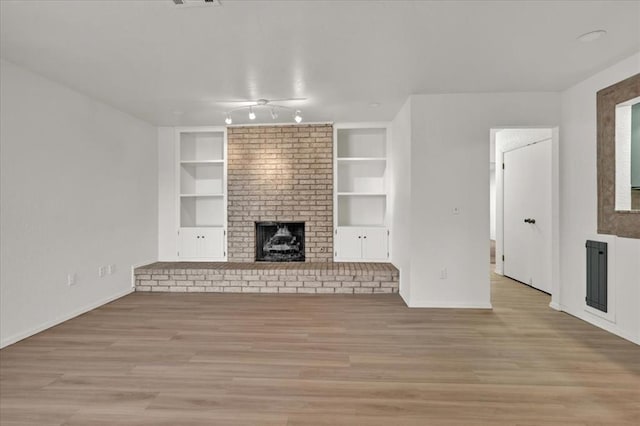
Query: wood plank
{"type": "Point", "coordinates": [244, 359]}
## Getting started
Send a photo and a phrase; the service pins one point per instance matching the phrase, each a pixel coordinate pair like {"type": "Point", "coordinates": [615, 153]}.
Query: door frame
{"type": "Point", "coordinates": [555, 201]}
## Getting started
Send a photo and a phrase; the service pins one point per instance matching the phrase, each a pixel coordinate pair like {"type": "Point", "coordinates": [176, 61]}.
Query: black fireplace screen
{"type": "Point", "coordinates": [280, 241]}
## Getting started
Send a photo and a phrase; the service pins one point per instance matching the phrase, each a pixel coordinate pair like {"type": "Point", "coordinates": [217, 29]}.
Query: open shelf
{"type": "Point", "coordinates": [361, 176]}
{"type": "Point", "coordinates": [201, 146]}
{"type": "Point", "coordinates": [201, 178]}
{"type": "Point", "coordinates": [362, 143]}
{"type": "Point", "coordinates": [202, 211]}
{"type": "Point", "coordinates": [362, 210]}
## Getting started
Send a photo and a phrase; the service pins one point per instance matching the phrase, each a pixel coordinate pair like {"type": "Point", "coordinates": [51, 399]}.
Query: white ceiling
{"type": "Point", "coordinates": [170, 65]}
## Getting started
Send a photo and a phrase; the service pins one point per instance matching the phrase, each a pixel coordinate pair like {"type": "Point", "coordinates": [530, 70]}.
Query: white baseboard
{"type": "Point", "coordinates": [405, 298]}
{"type": "Point", "coordinates": [601, 323]}
{"type": "Point", "coordinates": [448, 305]}
{"type": "Point", "coordinates": [48, 324]}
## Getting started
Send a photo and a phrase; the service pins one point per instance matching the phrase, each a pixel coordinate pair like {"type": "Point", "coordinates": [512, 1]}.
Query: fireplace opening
{"type": "Point", "coordinates": [280, 241]}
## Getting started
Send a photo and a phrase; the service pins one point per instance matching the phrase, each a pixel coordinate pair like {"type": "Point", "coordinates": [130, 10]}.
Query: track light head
{"type": "Point", "coordinates": [228, 119]}
{"type": "Point", "coordinates": [274, 113]}
{"type": "Point", "coordinates": [252, 115]}
{"type": "Point", "coordinates": [298, 116]}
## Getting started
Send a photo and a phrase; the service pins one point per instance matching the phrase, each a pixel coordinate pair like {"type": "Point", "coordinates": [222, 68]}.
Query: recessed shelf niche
{"type": "Point", "coordinates": [201, 178]}
{"type": "Point", "coordinates": [361, 210]}
{"type": "Point", "coordinates": [362, 176]}
{"type": "Point", "coordinates": [201, 211]}
{"type": "Point", "coordinates": [361, 183]}
{"type": "Point", "coordinates": [201, 146]}
{"type": "Point", "coordinates": [362, 143]}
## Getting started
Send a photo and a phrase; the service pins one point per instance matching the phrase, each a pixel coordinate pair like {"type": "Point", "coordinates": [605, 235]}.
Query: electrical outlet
{"type": "Point", "coordinates": [102, 270]}
{"type": "Point", "coordinates": [71, 279]}
{"type": "Point", "coordinates": [111, 269]}
{"type": "Point", "coordinates": [443, 274]}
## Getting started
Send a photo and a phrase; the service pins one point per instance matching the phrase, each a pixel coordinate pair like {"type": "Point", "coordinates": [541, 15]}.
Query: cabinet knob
{"type": "Point", "coordinates": [364, 236]}
{"type": "Point", "coordinates": [198, 236]}
{"type": "Point", "coordinates": [359, 236]}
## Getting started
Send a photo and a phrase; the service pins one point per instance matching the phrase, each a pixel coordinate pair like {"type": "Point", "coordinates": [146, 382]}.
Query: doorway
{"type": "Point", "coordinates": [525, 205]}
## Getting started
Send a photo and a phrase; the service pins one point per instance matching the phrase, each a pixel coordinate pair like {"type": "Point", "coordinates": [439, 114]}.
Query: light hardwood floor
{"type": "Point", "coordinates": [238, 359]}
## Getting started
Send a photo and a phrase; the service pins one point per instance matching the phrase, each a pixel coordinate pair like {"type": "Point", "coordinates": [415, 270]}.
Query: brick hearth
{"type": "Point", "coordinates": [262, 277]}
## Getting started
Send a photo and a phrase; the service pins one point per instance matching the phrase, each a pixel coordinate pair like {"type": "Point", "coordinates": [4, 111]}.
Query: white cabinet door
{"type": "Point", "coordinates": [188, 243]}
{"type": "Point", "coordinates": [348, 243]}
{"type": "Point", "coordinates": [201, 243]}
{"type": "Point", "coordinates": [375, 244]}
{"type": "Point", "coordinates": [211, 243]}
{"type": "Point", "coordinates": [362, 243]}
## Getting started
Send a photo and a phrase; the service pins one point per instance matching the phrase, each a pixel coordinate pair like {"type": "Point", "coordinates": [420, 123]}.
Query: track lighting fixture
{"type": "Point", "coordinates": [297, 116]}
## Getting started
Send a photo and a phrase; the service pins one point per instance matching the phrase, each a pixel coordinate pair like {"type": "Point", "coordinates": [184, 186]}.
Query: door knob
{"type": "Point", "coordinates": [532, 221]}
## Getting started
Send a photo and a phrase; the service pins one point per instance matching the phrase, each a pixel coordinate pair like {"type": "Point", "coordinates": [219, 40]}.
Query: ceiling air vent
{"type": "Point", "coordinates": [196, 3]}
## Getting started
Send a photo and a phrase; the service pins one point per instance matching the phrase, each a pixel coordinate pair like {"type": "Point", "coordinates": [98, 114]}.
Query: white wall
{"type": "Point", "coordinates": [167, 208]}
{"type": "Point", "coordinates": [400, 196]}
{"type": "Point", "coordinates": [449, 156]}
{"type": "Point", "coordinates": [578, 211]}
{"type": "Point", "coordinates": [78, 190]}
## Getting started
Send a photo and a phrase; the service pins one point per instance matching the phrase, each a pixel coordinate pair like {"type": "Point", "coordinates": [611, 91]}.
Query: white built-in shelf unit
{"type": "Point", "coordinates": [202, 171]}
{"type": "Point", "coordinates": [361, 184]}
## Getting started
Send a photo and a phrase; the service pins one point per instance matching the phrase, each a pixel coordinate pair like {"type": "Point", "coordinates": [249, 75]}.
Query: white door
{"type": "Point", "coordinates": [375, 244]}
{"type": "Point", "coordinates": [348, 243]}
{"type": "Point", "coordinates": [527, 215]}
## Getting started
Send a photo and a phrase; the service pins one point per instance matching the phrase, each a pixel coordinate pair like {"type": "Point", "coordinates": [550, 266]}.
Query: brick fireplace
{"type": "Point", "coordinates": [280, 174]}
{"type": "Point", "coordinates": [277, 175]}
